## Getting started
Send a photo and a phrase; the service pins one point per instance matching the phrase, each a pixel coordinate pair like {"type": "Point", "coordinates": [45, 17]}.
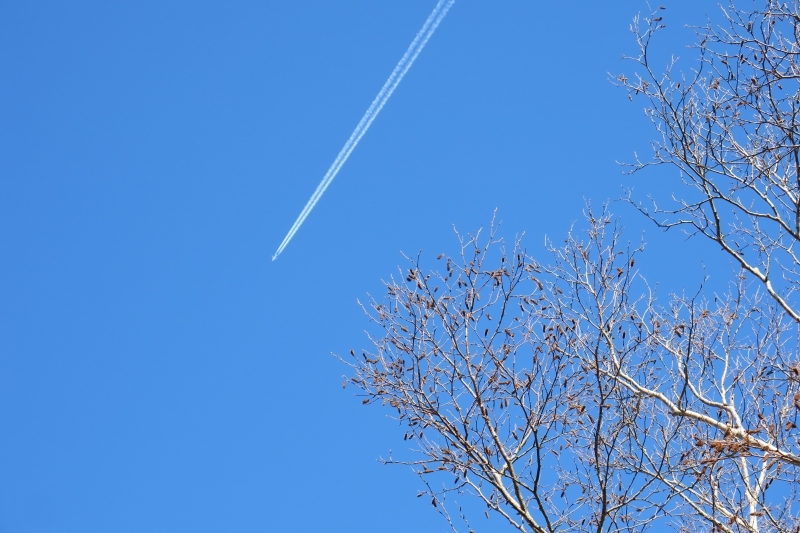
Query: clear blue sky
{"type": "Point", "coordinates": [157, 371]}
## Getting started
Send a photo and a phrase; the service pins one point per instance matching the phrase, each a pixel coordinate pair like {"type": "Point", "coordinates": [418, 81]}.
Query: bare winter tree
{"type": "Point", "coordinates": [562, 395]}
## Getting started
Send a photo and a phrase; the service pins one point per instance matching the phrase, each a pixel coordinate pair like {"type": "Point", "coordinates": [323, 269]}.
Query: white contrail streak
{"type": "Point", "coordinates": [386, 91]}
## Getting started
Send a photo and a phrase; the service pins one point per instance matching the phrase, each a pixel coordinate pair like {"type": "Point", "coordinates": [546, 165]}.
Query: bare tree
{"type": "Point", "coordinates": [562, 395]}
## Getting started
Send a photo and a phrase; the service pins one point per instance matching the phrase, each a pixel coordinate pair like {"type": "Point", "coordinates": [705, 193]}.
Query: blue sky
{"type": "Point", "coordinates": [157, 371]}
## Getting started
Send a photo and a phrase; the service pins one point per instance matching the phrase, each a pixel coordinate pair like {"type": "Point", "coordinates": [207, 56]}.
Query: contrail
{"type": "Point", "coordinates": [386, 91]}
